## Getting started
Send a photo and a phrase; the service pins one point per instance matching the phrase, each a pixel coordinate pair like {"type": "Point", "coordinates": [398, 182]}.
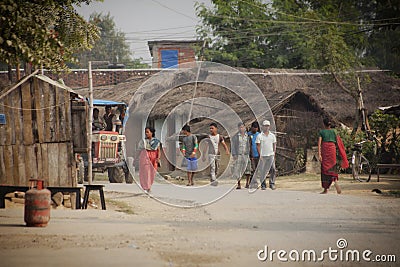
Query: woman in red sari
{"type": "Point", "coordinates": [327, 142]}
{"type": "Point", "coordinates": [148, 159]}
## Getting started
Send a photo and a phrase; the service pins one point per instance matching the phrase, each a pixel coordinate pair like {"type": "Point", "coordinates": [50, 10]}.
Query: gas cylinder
{"type": "Point", "coordinates": [37, 204]}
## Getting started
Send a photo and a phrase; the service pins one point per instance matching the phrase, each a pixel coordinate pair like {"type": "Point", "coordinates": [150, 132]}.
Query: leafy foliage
{"type": "Point", "coordinates": [369, 149]}
{"type": "Point", "coordinates": [43, 33]}
{"type": "Point", "coordinates": [384, 39]}
{"type": "Point", "coordinates": [330, 35]}
{"type": "Point", "coordinates": [111, 46]}
{"type": "Point", "coordinates": [234, 36]}
{"type": "Point", "coordinates": [386, 127]}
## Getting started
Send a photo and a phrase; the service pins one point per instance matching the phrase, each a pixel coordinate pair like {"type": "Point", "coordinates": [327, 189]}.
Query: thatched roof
{"type": "Point", "coordinates": [277, 102]}
{"type": "Point", "coordinates": [395, 110]}
{"type": "Point", "coordinates": [379, 89]}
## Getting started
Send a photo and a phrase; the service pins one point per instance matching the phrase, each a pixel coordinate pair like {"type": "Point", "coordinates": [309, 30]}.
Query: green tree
{"type": "Point", "coordinates": [234, 37]}
{"type": "Point", "coordinates": [384, 38]}
{"type": "Point", "coordinates": [111, 46]}
{"type": "Point", "coordinates": [285, 33]}
{"type": "Point", "coordinates": [43, 33]}
{"type": "Point", "coordinates": [386, 126]}
{"type": "Point", "coordinates": [330, 35]}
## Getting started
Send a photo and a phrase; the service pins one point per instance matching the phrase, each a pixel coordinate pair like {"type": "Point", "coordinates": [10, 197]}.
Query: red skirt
{"type": "Point", "coordinates": [328, 165]}
{"type": "Point", "coordinates": [147, 167]}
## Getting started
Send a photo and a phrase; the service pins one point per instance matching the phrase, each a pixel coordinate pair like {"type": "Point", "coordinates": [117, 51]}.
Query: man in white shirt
{"type": "Point", "coordinates": [266, 146]}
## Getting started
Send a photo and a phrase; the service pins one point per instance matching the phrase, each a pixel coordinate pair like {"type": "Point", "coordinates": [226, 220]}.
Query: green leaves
{"type": "Point", "coordinates": [43, 33]}
{"type": "Point", "coordinates": [234, 32]}
{"type": "Point", "coordinates": [111, 46]}
{"type": "Point", "coordinates": [331, 35]}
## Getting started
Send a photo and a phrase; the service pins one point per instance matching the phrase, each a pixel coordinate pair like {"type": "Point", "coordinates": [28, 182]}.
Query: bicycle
{"type": "Point", "coordinates": [361, 168]}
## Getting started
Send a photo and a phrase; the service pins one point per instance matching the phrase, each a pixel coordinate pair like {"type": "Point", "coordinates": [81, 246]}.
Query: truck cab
{"type": "Point", "coordinates": [107, 141]}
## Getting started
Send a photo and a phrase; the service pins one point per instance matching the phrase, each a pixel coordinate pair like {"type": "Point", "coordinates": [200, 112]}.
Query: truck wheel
{"type": "Point", "coordinates": [116, 175]}
{"type": "Point", "coordinates": [128, 178]}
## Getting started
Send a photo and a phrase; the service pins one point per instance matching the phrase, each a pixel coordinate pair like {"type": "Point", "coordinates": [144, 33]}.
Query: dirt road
{"type": "Point", "coordinates": [234, 231]}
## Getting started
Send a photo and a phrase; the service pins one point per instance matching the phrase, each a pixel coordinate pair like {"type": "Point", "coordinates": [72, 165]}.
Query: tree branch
{"type": "Point", "coordinates": [344, 88]}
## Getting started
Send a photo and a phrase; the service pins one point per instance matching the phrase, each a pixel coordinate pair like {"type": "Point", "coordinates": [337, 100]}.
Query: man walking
{"type": "Point", "coordinates": [240, 149]}
{"type": "Point", "coordinates": [213, 152]}
{"type": "Point", "coordinates": [254, 155]}
{"type": "Point", "coordinates": [189, 148]}
{"type": "Point", "coordinates": [266, 147]}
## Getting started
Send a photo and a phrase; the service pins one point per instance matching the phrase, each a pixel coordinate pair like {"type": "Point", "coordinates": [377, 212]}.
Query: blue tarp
{"type": "Point", "coordinates": [101, 102]}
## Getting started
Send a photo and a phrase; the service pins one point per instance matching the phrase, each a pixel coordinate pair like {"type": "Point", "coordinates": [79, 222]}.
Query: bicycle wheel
{"type": "Point", "coordinates": [361, 168]}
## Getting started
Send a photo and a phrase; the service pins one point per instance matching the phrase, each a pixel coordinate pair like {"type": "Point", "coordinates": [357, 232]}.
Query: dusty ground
{"type": "Point", "coordinates": [137, 230]}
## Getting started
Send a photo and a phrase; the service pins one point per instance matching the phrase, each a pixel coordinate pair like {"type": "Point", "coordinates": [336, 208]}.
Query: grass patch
{"type": "Point", "coordinates": [300, 177]}
{"type": "Point", "coordinates": [394, 193]}
{"type": "Point", "coordinates": [120, 206]}
{"type": "Point", "coordinates": [98, 176]}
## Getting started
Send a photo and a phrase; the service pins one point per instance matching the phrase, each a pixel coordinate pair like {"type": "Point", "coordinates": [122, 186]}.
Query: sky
{"type": "Point", "coordinates": [146, 20]}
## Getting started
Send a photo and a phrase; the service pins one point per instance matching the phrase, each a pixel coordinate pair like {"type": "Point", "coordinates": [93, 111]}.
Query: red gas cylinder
{"type": "Point", "coordinates": [37, 204]}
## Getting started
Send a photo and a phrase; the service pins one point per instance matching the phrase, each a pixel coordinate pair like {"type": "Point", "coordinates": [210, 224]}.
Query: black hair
{"type": "Point", "coordinates": [255, 124]}
{"type": "Point", "coordinates": [327, 122]}
{"type": "Point", "coordinates": [186, 128]}
{"type": "Point", "coordinates": [240, 124]}
{"type": "Point", "coordinates": [96, 109]}
{"type": "Point", "coordinates": [214, 124]}
{"type": "Point", "coordinates": [151, 129]}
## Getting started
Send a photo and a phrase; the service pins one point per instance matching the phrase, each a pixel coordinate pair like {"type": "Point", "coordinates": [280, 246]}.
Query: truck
{"type": "Point", "coordinates": [107, 154]}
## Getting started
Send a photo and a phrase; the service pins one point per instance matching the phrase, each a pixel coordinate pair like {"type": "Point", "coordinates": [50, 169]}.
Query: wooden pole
{"type": "Point", "coordinates": [90, 119]}
{"type": "Point", "coordinates": [18, 72]}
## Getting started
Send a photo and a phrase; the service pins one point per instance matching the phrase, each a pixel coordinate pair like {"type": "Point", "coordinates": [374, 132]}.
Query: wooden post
{"type": "Point", "coordinates": [90, 119]}
{"type": "Point", "coordinates": [3, 179]}
{"type": "Point", "coordinates": [63, 159]}
{"type": "Point", "coordinates": [21, 165]}
{"type": "Point", "coordinates": [47, 110]}
{"type": "Point", "coordinates": [45, 163]}
{"type": "Point", "coordinates": [8, 164]}
{"type": "Point", "coordinates": [39, 111]}
{"type": "Point", "coordinates": [18, 72]}
{"type": "Point", "coordinates": [27, 113]}
{"type": "Point", "coordinates": [8, 112]}
{"type": "Point", "coordinates": [56, 113]}
{"type": "Point", "coordinates": [67, 112]}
